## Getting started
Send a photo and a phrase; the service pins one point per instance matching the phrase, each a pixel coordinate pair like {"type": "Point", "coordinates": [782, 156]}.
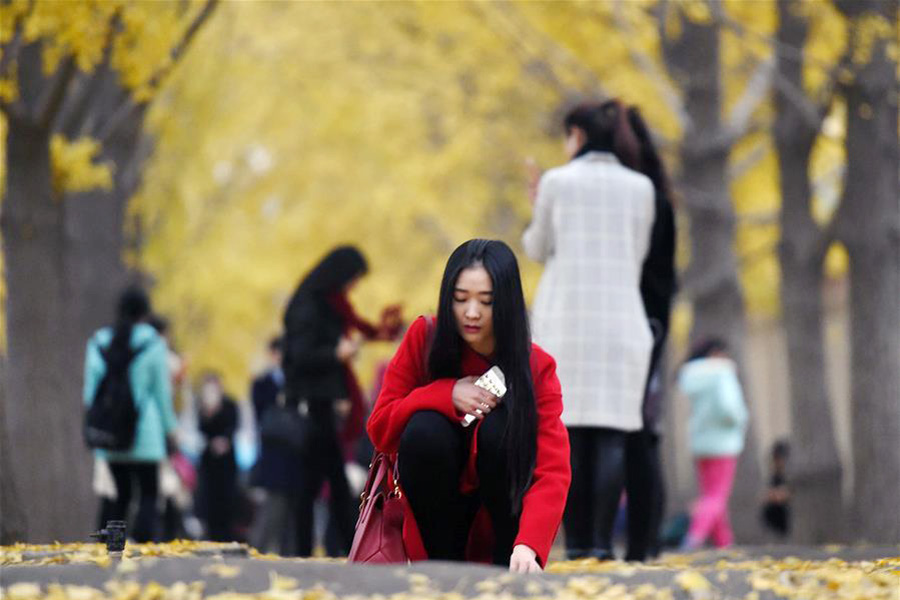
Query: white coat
{"type": "Point", "coordinates": [591, 229]}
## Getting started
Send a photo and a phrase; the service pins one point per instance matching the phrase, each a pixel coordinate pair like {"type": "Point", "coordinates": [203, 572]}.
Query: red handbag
{"type": "Point", "coordinates": [379, 529]}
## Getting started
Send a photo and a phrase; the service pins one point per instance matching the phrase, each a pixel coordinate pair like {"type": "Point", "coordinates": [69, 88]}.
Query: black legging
{"type": "Point", "coordinates": [325, 461]}
{"type": "Point", "coordinates": [646, 493]}
{"type": "Point", "coordinates": [598, 474]}
{"type": "Point", "coordinates": [433, 453]}
{"type": "Point", "coordinates": [147, 475]}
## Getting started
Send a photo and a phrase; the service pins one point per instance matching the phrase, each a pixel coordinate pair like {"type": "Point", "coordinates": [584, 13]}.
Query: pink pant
{"type": "Point", "coordinates": [715, 476]}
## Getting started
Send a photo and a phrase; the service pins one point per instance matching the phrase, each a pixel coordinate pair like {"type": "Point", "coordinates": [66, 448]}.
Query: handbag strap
{"type": "Point", "coordinates": [381, 467]}
{"type": "Point", "coordinates": [383, 463]}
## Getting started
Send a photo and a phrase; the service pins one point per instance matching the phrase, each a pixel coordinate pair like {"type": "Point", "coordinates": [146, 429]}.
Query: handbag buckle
{"type": "Point", "coordinates": [396, 493]}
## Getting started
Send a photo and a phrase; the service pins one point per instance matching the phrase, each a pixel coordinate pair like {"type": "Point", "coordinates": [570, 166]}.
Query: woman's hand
{"type": "Point", "coordinates": [533, 173]}
{"type": "Point", "coordinates": [524, 560]}
{"type": "Point", "coordinates": [468, 398]}
{"type": "Point", "coordinates": [346, 349]}
{"type": "Point", "coordinates": [220, 445]}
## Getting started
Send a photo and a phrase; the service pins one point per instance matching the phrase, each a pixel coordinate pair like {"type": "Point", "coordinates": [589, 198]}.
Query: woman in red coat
{"type": "Point", "coordinates": [495, 491]}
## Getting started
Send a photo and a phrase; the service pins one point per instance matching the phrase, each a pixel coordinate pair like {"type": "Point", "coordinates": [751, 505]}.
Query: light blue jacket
{"type": "Point", "coordinates": [150, 384]}
{"type": "Point", "coordinates": [718, 420]}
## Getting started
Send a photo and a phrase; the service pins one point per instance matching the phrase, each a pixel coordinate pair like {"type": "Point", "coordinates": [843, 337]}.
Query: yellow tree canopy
{"type": "Point", "coordinates": [402, 127]}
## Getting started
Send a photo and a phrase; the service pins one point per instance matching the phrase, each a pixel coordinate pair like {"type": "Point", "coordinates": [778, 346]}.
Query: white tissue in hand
{"type": "Point", "coordinates": [493, 381]}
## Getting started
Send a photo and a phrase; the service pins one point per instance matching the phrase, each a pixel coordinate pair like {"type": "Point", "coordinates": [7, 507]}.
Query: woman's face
{"type": "Point", "coordinates": [473, 307]}
{"type": "Point", "coordinates": [575, 139]}
{"type": "Point", "coordinates": [348, 287]}
{"type": "Point", "coordinates": [210, 395]}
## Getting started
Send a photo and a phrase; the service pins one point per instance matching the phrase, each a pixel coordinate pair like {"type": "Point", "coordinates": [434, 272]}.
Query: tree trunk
{"type": "Point", "coordinates": [869, 226]}
{"type": "Point", "coordinates": [42, 399]}
{"type": "Point", "coordinates": [711, 280]}
{"type": "Point", "coordinates": [817, 504]}
{"type": "Point", "coordinates": [12, 519]}
{"type": "Point", "coordinates": [95, 235]}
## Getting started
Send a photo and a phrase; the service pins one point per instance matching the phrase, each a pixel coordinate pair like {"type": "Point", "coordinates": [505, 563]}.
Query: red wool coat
{"type": "Point", "coordinates": [406, 390]}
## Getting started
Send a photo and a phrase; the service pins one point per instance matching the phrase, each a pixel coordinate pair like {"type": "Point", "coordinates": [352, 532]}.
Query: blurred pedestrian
{"type": "Point", "coordinates": [717, 428]}
{"type": "Point", "coordinates": [134, 347]}
{"type": "Point", "coordinates": [643, 470]}
{"type": "Point", "coordinates": [276, 468]}
{"type": "Point", "coordinates": [776, 511]}
{"type": "Point", "coordinates": [176, 495]}
{"type": "Point", "coordinates": [591, 228]}
{"type": "Point", "coordinates": [218, 421]}
{"type": "Point", "coordinates": [319, 345]}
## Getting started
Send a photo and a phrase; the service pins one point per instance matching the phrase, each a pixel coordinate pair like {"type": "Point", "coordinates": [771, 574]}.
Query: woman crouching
{"type": "Point", "coordinates": [495, 491]}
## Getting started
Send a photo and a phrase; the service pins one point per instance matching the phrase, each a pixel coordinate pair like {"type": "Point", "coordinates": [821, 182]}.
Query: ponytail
{"type": "Point", "coordinates": [133, 306]}
{"type": "Point", "coordinates": [607, 129]}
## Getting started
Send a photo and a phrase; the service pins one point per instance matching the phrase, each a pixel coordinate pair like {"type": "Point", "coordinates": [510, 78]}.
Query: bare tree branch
{"type": "Point", "coordinates": [755, 92]}
{"type": "Point", "coordinates": [179, 49]}
{"type": "Point", "coordinates": [75, 110]}
{"type": "Point", "coordinates": [128, 107]}
{"type": "Point", "coordinates": [741, 167]}
{"type": "Point", "coordinates": [649, 66]}
{"type": "Point", "coordinates": [53, 96]}
{"type": "Point", "coordinates": [9, 53]}
{"type": "Point", "coordinates": [10, 50]}
{"type": "Point", "coordinates": [811, 113]}
{"type": "Point", "coordinates": [742, 30]}
{"type": "Point", "coordinates": [844, 65]}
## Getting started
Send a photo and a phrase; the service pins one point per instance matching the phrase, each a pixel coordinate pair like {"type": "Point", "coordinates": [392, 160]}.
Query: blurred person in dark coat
{"type": "Point", "coordinates": [643, 472]}
{"type": "Point", "coordinates": [275, 470]}
{"type": "Point", "coordinates": [218, 421]}
{"type": "Point", "coordinates": [321, 339]}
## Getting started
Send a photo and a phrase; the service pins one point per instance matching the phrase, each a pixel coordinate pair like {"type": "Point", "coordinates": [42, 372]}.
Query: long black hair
{"type": "Point", "coordinates": [512, 350]}
{"type": "Point", "coordinates": [133, 306]}
{"type": "Point", "coordinates": [606, 129]}
{"type": "Point", "coordinates": [338, 268]}
{"type": "Point", "coordinates": [651, 164]}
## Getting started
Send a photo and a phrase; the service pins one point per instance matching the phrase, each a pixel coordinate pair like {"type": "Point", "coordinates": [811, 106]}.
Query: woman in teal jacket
{"type": "Point", "coordinates": [717, 427]}
{"type": "Point", "coordinates": [152, 392]}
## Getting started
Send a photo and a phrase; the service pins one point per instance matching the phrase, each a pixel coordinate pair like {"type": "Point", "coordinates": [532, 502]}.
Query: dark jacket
{"type": "Point", "coordinates": [658, 284]}
{"type": "Point", "coordinates": [264, 393]}
{"type": "Point", "coordinates": [276, 468]}
{"type": "Point", "coordinates": [222, 423]}
{"type": "Point", "coordinates": [658, 287]}
{"type": "Point", "coordinates": [312, 370]}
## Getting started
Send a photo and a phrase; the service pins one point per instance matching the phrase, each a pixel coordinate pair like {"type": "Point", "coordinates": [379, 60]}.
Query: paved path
{"type": "Point", "coordinates": [773, 572]}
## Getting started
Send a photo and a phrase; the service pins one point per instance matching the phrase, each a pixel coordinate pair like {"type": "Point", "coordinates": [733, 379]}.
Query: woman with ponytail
{"type": "Point", "coordinates": [591, 229]}
{"type": "Point", "coordinates": [494, 491]}
{"type": "Point", "coordinates": [643, 472]}
{"type": "Point", "coordinates": [133, 343]}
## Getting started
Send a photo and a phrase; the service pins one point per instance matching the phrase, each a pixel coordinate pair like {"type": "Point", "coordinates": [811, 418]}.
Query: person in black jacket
{"type": "Point", "coordinates": [218, 421]}
{"type": "Point", "coordinates": [276, 466]}
{"type": "Point", "coordinates": [318, 347]}
{"type": "Point", "coordinates": [643, 472]}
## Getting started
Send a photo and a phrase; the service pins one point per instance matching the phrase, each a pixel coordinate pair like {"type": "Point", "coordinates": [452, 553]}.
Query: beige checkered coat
{"type": "Point", "coordinates": [591, 229]}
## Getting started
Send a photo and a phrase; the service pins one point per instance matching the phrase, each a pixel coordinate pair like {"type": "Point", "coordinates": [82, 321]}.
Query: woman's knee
{"type": "Point", "coordinates": [491, 440]}
{"type": "Point", "coordinates": [429, 439]}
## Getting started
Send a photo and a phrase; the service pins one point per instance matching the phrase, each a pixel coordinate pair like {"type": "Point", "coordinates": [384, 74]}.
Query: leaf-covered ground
{"type": "Point", "coordinates": [191, 571]}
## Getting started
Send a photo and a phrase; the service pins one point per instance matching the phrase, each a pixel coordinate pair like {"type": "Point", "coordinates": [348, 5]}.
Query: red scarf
{"type": "Point", "coordinates": [355, 424]}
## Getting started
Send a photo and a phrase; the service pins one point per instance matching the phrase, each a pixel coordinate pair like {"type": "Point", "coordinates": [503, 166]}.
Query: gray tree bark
{"type": "Point", "coordinates": [64, 270]}
{"type": "Point", "coordinates": [868, 223]}
{"type": "Point", "coordinates": [12, 520]}
{"type": "Point", "coordinates": [817, 505]}
{"type": "Point", "coordinates": [711, 280]}
{"type": "Point", "coordinates": [49, 467]}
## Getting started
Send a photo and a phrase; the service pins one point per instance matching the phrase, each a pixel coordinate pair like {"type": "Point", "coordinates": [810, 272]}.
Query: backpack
{"type": "Point", "coordinates": [111, 421]}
